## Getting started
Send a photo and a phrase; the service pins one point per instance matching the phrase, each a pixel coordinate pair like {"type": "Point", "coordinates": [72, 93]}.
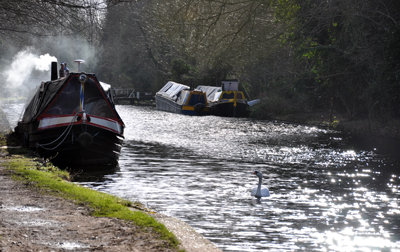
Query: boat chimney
{"type": "Point", "coordinates": [54, 75]}
{"type": "Point", "coordinates": [79, 61]}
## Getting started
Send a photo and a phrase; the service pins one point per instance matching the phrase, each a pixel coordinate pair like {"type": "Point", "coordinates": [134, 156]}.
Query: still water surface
{"type": "Point", "coordinates": [328, 191]}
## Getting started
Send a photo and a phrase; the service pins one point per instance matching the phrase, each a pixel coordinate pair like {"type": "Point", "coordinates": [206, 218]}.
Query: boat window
{"type": "Point", "coordinates": [98, 108]}
{"type": "Point", "coordinates": [202, 99]}
{"type": "Point", "coordinates": [228, 95]}
{"type": "Point", "coordinates": [182, 97]}
{"type": "Point", "coordinates": [239, 95]}
{"type": "Point", "coordinates": [178, 95]}
{"type": "Point", "coordinates": [68, 101]}
{"type": "Point", "coordinates": [197, 98]}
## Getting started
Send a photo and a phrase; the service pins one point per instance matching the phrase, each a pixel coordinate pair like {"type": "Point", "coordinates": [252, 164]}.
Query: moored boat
{"type": "Point", "coordinates": [178, 98]}
{"type": "Point", "coordinates": [73, 120]}
{"type": "Point", "coordinates": [226, 100]}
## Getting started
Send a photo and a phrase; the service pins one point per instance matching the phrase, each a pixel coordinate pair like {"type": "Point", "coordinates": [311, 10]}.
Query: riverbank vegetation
{"type": "Point", "coordinates": [334, 58]}
{"type": "Point", "coordinates": [41, 174]}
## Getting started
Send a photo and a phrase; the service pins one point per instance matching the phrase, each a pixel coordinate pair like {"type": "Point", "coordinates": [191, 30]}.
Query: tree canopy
{"type": "Point", "coordinates": [336, 55]}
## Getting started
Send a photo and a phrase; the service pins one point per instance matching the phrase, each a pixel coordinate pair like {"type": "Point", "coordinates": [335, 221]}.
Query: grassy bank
{"type": "Point", "coordinates": [49, 179]}
{"type": "Point", "coordinates": [358, 127]}
{"type": "Point", "coordinates": [336, 121]}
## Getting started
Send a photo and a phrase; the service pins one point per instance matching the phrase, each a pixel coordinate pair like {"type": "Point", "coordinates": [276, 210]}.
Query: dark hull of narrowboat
{"type": "Point", "coordinates": [169, 105]}
{"type": "Point", "coordinates": [79, 145]}
{"type": "Point", "coordinates": [229, 110]}
{"type": "Point", "coordinates": [73, 121]}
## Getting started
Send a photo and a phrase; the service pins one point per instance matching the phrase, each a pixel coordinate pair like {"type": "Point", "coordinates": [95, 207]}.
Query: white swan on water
{"type": "Point", "coordinates": [257, 191]}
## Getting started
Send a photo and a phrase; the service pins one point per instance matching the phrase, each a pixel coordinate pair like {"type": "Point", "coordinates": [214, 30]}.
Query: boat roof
{"type": "Point", "coordinates": [47, 92]}
{"type": "Point", "coordinates": [210, 91]}
{"type": "Point", "coordinates": [171, 89]}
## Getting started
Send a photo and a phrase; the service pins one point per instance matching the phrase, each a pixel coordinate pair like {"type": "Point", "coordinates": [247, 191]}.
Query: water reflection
{"type": "Point", "coordinates": [93, 174]}
{"type": "Point", "coordinates": [326, 194]}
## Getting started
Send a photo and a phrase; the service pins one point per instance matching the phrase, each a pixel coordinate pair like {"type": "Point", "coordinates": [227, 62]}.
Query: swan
{"type": "Point", "coordinates": [257, 191]}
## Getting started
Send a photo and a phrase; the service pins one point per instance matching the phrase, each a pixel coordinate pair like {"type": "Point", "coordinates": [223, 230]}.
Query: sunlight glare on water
{"type": "Point", "coordinates": [326, 193]}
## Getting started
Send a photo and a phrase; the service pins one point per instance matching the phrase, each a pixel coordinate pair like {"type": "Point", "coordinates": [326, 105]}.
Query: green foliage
{"type": "Point", "coordinates": [388, 87]}
{"type": "Point", "coordinates": [286, 10]}
{"type": "Point", "coordinates": [334, 55]}
{"type": "Point", "coordinates": [343, 49]}
{"type": "Point", "coordinates": [178, 69]}
{"type": "Point", "coordinates": [340, 55]}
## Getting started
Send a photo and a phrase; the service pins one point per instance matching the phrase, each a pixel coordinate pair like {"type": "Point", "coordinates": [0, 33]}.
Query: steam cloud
{"type": "Point", "coordinates": [27, 71]}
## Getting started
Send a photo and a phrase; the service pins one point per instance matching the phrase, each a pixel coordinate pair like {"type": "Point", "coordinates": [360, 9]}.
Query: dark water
{"type": "Point", "coordinates": [329, 192]}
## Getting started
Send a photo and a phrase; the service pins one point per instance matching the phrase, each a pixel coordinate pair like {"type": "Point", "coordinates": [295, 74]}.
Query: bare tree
{"type": "Point", "coordinates": [136, 52]}
{"type": "Point", "coordinates": [219, 36]}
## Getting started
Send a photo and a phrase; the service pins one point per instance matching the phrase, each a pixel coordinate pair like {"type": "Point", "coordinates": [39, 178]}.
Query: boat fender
{"type": "Point", "coordinates": [199, 108]}
{"type": "Point", "coordinates": [85, 139]}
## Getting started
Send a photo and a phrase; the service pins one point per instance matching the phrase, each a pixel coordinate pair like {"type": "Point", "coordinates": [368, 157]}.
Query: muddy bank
{"type": "Point", "coordinates": [30, 220]}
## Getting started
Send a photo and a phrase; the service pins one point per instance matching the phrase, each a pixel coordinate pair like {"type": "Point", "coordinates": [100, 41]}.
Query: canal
{"type": "Point", "coordinates": [329, 191]}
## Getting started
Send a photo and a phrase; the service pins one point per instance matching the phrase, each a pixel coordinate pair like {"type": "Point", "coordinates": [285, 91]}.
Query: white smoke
{"type": "Point", "coordinates": [27, 71]}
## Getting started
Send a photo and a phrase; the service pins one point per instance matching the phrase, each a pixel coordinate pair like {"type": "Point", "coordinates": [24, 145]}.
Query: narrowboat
{"type": "Point", "coordinates": [226, 100]}
{"type": "Point", "coordinates": [72, 120]}
{"type": "Point", "coordinates": [178, 98]}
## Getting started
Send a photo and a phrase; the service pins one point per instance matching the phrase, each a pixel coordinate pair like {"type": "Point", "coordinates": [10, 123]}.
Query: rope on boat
{"type": "Point", "coordinates": [69, 128]}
